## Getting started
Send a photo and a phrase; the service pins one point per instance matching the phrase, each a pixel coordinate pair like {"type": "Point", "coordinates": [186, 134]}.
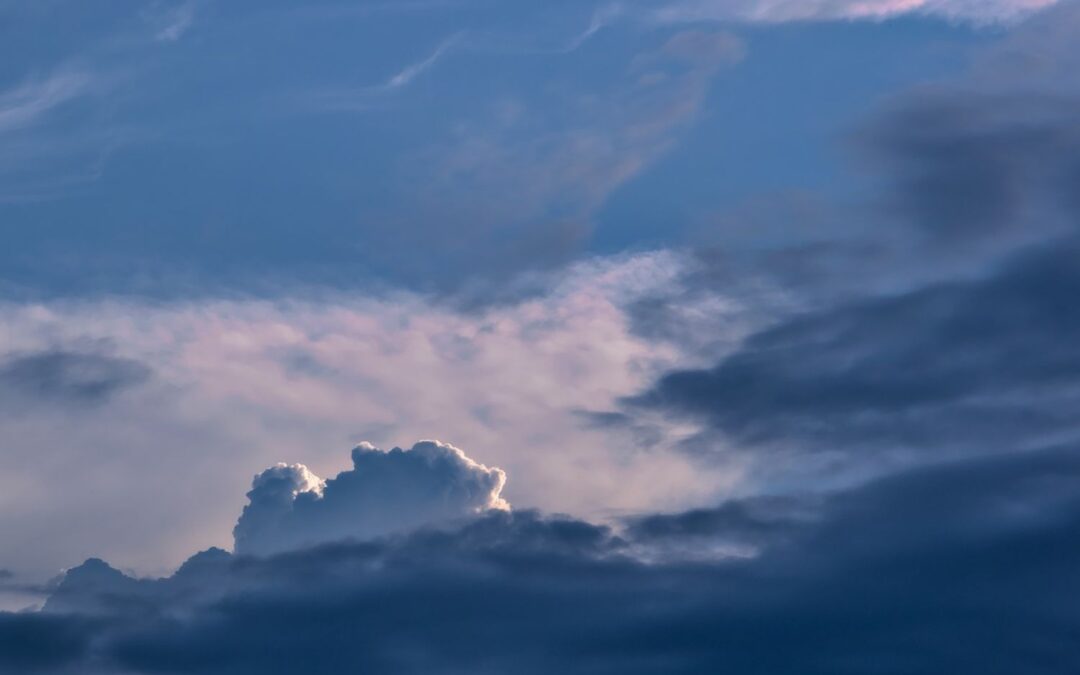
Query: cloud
{"type": "Point", "coordinates": [173, 22]}
{"type": "Point", "coordinates": [28, 103]}
{"type": "Point", "coordinates": [384, 492]}
{"type": "Point", "coordinates": [958, 174]}
{"type": "Point", "coordinates": [969, 350]}
{"type": "Point", "coordinates": [56, 133]}
{"type": "Point", "coordinates": [971, 165]}
{"type": "Point", "coordinates": [33, 643]}
{"type": "Point", "coordinates": [547, 164]}
{"type": "Point", "coordinates": [546, 146]}
{"type": "Point", "coordinates": [775, 11]}
{"type": "Point", "coordinates": [409, 73]}
{"type": "Point", "coordinates": [739, 527]}
{"type": "Point", "coordinates": [69, 376]}
{"type": "Point", "coordinates": [357, 99]}
{"type": "Point", "coordinates": [990, 156]}
{"type": "Point", "coordinates": [940, 569]}
{"type": "Point", "coordinates": [954, 367]}
{"type": "Point", "coordinates": [240, 384]}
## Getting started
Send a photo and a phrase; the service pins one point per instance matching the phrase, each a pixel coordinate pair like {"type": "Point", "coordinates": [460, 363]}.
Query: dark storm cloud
{"type": "Point", "coordinates": [69, 376]}
{"type": "Point", "coordinates": [977, 164]}
{"type": "Point", "coordinates": [33, 643]}
{"type": "Point", "coordinates": [939, 570]}
{"type": "Point", "coordinates": [996, 153]}
{"type": "Point", "coordinates": [753, 521]}
{"type": "Point", "coordinates": [963, 567]}
{"type": "Point", "coordinates": [974, 364]}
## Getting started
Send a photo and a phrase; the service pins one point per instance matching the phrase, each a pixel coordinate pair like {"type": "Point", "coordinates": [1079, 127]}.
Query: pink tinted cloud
{"type": "Point", "coordinates": [771, 11]}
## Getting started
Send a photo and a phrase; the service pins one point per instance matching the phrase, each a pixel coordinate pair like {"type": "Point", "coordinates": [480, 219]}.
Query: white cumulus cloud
{"type": "Point", "coordinates": [385, 491]}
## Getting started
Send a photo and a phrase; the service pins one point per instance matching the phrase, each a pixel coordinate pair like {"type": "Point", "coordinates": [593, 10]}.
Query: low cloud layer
{"type": "Point", "coordinates": [941, 569]}
{"type": "Point", "coordinates": [385, 491]}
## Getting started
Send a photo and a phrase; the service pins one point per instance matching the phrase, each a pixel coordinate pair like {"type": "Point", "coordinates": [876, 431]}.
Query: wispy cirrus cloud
{"type": "Point", "coordinates": [29, 102]}
{"type": "Point", "coordinates": [60, 124]}
{"type": "Point", "coordinates": [602, 17]}
{"type": "Point", "coordinates": [546, 166]}
{"type": "Point", "coordinates": [411, 72]}
{"type": "Point", "coordinates": [778, 11]}
{"type": "Point", "coordinates": [44, 150]}
{"type": "Point", "coordinates": [356, 99]}
{"type": "Point", "coordinates": [174, 22]}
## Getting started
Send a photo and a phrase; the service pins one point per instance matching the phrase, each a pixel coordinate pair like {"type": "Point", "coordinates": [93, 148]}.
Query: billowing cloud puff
{"type": "Point", "coordinates": [385, 491]}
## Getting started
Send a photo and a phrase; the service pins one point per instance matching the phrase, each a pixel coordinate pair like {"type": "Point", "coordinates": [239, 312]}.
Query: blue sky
{"type": "Point", "coordinates": [247, 144]}
{"type": "Point", "coordinates": [443, 336]}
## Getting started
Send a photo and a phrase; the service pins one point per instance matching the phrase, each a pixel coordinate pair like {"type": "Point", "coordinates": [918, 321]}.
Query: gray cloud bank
{"type": "Point", "coordinates": [959, 567]}
{"type": "Point", "coordinates": [972, 366]}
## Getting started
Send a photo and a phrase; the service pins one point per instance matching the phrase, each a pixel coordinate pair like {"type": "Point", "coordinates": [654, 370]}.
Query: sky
{"type": "Point", "coordinates": [462, 336]}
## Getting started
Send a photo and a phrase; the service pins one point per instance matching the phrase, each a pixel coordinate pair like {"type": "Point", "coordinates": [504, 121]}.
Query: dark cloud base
{"type": "Point", "coordinates": [68, 377]}
{"type": "Point", "coordinates": [969, 567]}
{"type": "Point", "coordinates": [957, 367]}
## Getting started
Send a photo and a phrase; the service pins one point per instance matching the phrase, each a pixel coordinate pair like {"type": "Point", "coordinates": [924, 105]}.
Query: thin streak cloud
{"type": "Point", "coordinates": [176, 23]}
{"type": "Point", "coordinates": [364, 98]}
{"type": "Point", "coordinates": [410, 73]}
{"type": "Point", "coordinates": [603, 17]}
{"type": "Point", "coordinates": [27, 103]}
{"type": "Point", "coordinates": [779, 11]}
